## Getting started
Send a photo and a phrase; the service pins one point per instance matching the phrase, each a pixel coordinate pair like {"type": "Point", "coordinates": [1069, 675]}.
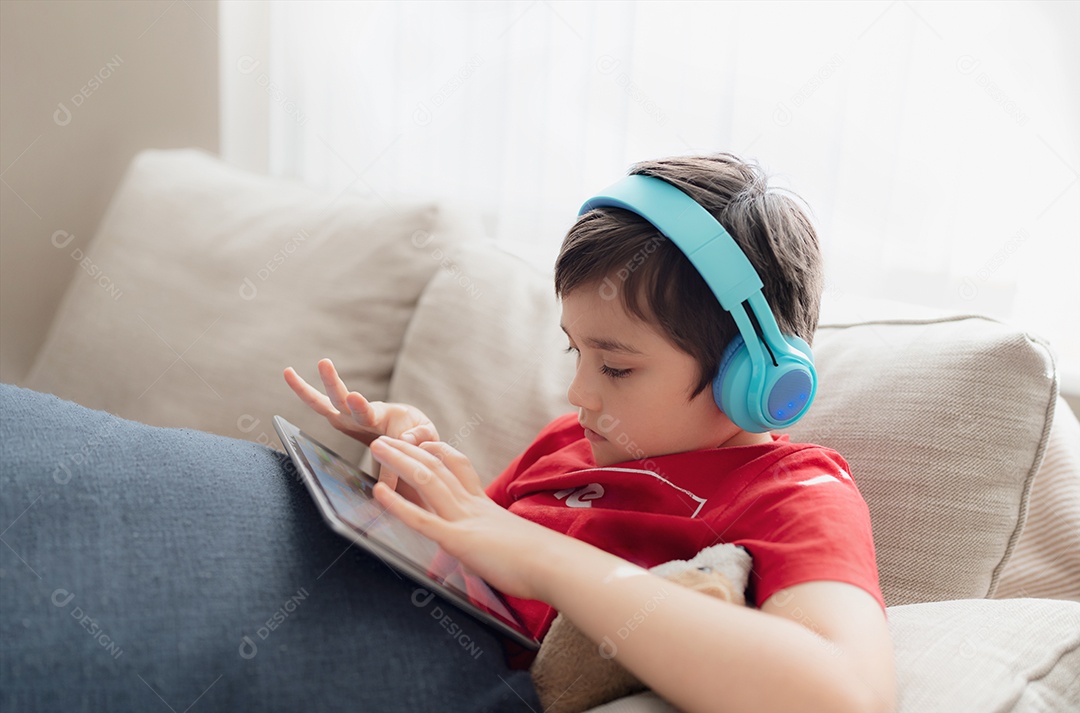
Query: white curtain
{"type": "Point", "coordinates": [937, 144]}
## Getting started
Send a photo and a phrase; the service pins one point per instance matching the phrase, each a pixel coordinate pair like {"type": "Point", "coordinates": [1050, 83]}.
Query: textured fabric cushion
{"type": "Point", "coordinates": [483, 357]}
{"type": "Point", "coordinates": [944, 423]}
{"type": "Point", "coordinates": [1019, 655]}
{"type": "Point", "coordinates": [208, 281]}
{"type": "Point", "coordinates": [1046, 562]}
{"type": "Point", "coordinates": [167, 568]}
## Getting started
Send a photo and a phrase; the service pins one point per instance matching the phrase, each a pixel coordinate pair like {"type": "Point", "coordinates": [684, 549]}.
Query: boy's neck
{"type": "Point", "coordinates": [746, 438]}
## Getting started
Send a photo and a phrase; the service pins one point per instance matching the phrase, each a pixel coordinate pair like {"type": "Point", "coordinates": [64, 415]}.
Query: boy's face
{"type": "Point", "coordinates": [632, 386]}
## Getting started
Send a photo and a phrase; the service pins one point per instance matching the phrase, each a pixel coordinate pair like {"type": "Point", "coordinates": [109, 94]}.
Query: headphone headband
{"type": "Point", "coordinates": [706, 243]}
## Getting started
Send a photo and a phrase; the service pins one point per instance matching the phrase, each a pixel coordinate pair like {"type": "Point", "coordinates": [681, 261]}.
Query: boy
{"type": "Point", "coordinates": [650, 469]}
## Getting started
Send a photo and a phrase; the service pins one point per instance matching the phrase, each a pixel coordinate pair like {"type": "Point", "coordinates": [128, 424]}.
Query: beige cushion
{"type": "Point", "coordinates": [1019, 655]}
{"type": "Point", "coordinates": [483, 356]}
{"type": "Point", "coordinates": [1046, 562]}
{"type": "Point", "coordinates": [647, 702]}
{"type": "Point", "coordinates": [943, 422]}
{"type": "Point", "coordinates": [1046, 559]}
{"type": "Point", "coordinates": [210, 281]}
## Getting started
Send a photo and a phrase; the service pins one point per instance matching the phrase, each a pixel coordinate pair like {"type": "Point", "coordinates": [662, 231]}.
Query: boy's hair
{"type": "Point", "coordinates": [620, 253]}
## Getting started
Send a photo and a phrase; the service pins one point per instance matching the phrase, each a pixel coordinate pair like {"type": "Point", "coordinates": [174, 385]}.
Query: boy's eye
{"type": "Point", "coordinates": [606, 370]}
{"type": "Point", "coordinates": [614, 373]}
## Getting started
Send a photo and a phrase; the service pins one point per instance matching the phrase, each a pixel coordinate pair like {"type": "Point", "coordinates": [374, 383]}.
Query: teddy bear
{"type": "Point", "coordinates": [573, 674]}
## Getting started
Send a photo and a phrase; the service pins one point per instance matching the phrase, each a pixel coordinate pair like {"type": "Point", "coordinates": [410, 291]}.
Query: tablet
{"type": "Point", "coordinates": [344, 496]}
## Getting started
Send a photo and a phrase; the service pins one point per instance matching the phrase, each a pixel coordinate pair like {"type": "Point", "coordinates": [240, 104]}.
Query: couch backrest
{"type": "Point", "coordinates": [944, 422]}
{"type": "Point", "coordinates": [203, 282]}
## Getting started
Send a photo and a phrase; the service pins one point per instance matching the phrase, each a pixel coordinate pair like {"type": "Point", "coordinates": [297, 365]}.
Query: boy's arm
{"type": "Point", "coordinates": [819, 646]}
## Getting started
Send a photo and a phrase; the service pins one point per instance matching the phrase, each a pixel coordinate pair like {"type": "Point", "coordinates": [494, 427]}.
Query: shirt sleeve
{"type": "Point", "coordinates": [803, 520]}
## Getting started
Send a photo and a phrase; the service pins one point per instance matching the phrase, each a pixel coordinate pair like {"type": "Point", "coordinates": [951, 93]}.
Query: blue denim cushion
{"type": "Point", "coordinates": [145, 567]}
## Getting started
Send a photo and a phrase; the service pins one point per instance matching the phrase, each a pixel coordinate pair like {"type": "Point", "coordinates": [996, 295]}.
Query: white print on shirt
{"type": "Point", "coordinates": [593, 487]}
{"type": "Point", "coordinates": [819, 479]}
{"type": "Point", "coordinates": [581, 497]}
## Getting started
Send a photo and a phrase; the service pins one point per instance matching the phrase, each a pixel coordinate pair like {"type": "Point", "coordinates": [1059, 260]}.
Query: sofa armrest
{"type": "Point", "coordinates": [1046, 561]}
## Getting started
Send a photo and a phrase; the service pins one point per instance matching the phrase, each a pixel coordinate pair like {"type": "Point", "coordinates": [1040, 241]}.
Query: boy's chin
{"type": "Point", "coordinates": [607, 453]}
{"type": "Point", "coordinates": [600, 454]}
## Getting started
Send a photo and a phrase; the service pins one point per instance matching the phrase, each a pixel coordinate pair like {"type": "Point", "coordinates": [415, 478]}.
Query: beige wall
{"type": "Point", "coordinates": [84, 85]}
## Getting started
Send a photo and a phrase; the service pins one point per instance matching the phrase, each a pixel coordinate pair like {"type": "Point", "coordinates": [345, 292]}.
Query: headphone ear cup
{"type": "Point", "coordinates": [800, 345]}
{"type": "Point", "coordinates": [788, 389]}
{"type": "Point", "coordinates": [732, 383]}
{"type": "Point", "coordinates": [792, 387]}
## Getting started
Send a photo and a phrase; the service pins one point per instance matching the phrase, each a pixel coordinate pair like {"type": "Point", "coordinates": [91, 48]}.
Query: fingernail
{"type": "Point", "coordinates": [409, 438]}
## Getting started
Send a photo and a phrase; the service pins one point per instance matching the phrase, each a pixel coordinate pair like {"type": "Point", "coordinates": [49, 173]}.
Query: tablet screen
{"type": "Point", "coordinates": [349, 491]}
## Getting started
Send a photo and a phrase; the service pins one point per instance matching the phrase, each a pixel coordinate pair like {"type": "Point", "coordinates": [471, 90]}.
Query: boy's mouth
{"type": "Point", "coordinates": [592, 436]}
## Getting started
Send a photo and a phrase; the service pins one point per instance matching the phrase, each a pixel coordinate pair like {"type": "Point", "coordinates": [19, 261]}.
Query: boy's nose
{"type": "Point", "coordinates": [580, 396]}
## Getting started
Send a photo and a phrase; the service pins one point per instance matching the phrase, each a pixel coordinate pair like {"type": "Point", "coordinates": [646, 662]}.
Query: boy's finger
{"type": "Point", "coordinates": [421, 434]}
{"type": "Point", "coordinates": [297, 383]}
{"type": "Point", "coordinates": [445, 452]}
{"type": "Point", "coordinates": [457, 463]}
{"type": "Point", "coordinates": [307, 393]}
{"type": "Point", "coordinates": [360, 408]}
{"type": "Point", "coordinates": [428, 460]}
{"type": "Point", "coordinates": [416, 517]}
{"type": "Point", "coordinates": [335, 387]}
{"type": "Point", "coordinates": [388, 476]}
{"type": "Point", "coordinates": [431, 485]}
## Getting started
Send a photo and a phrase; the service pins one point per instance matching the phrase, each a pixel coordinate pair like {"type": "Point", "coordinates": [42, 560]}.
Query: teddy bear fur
{"type": "Point", "coordinates": [572, 673]}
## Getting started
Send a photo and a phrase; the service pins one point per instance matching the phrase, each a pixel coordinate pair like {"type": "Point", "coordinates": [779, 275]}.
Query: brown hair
{"type": "Point", "coordinates": [621, 253]}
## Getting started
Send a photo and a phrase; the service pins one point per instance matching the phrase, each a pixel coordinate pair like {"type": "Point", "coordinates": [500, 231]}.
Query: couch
{"type": "Point", "coordinates": [203, 282]}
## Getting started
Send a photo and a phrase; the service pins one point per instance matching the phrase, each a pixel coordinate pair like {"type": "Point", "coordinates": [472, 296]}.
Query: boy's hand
{"type": "Point", "coordinates": [503, 548]}
{"type": "Point", "coordinates": [355, 416]}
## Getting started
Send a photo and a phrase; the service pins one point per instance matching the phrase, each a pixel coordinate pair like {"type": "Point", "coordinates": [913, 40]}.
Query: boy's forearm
{"type": "Point", "coordinates": [700, 653]}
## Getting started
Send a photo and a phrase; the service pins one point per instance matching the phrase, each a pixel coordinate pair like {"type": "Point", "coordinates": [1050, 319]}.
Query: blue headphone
{"type": "Point", "coordinates": [766, 379]}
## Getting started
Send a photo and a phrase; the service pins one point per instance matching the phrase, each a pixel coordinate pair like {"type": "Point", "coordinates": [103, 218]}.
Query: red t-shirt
{"type": "Point", "coordinates": [793, 506]}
